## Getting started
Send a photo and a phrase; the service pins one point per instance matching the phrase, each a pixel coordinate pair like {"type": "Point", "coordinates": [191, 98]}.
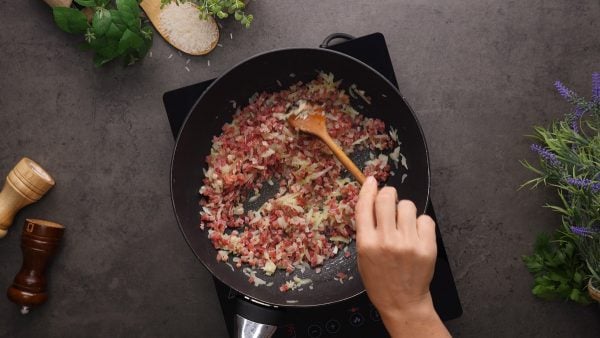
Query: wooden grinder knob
{"type": "Point", "coordinates": [26, 183]}
{"type": "Point", "coordinates": [39, 242]}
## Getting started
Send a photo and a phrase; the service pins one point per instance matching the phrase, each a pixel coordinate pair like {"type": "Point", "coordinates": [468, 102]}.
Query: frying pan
{"type": "Point", "coordinates": [214, 108]}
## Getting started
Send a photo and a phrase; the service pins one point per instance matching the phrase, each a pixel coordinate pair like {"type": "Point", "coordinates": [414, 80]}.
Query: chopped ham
{"type": "Point", "coordinates": [311, 217]}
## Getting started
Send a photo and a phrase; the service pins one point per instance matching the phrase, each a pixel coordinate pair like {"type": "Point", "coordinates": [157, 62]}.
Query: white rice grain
{"type": "Point", "coordinates": [185, 31]}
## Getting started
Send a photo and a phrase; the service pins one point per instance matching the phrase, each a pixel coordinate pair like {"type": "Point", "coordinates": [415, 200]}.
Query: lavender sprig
{"type": "Point", "coordinates": [569, 155]}
{"type": "Point", "coordinates": [575, 125]}
{"type": "Point", "coordinates": [583, 232]}
{"type": "Point", "coordinates": [596, 87]}
{"type": "Point", "coordinates": [577, 114]}
{"type": "Point", "coordinates": [546, 154]}
{"type": "Point", "coordinates": [584, 183]}
{"type": "Point", "coordinates": [564, 91]}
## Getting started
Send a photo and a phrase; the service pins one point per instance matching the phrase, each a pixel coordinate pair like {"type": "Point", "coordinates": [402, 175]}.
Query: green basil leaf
{"type": "Point", "coordinates": [558, 277]}
{"type": "Point", "coordinates": [144, 48]}
{"type": "Point", "coordinates": [109, 51]}
{"type": "Point", "coordinates": [130, 20]}
{"type": "Point", "coordinates": [114, 32]}
{"type": "Point", "coordinates": [563, 289]}
{"type": "Point", "coordinates": [86, 3]}
{"type": "Point", "coordinates": [541, 290]}
{"type": "Point", "coordinates": [577, 277]}
{"type": "Point", "coordinates": [101, 21]}
{"type": "Point", "coordinates": [106, 50]}
{"type": "Point", "coordinates": [542, 243]}
{"type": "Point", "coordinates": [534, 266]}
{"type": "Point", "coordinates": [130, 6]}
{"type": "Point", "coordinates": [100, 60]}
{"type": "Point", "coordinates": [117, 19]}
{"type": "Point", "coordinates": [70, 20]}
{"type": "Point", "coordinates": [130, 40]}
{"type": "Point", "coordinates": [97, 44]}
{"type": "Point", "coordinates": [575, 294]}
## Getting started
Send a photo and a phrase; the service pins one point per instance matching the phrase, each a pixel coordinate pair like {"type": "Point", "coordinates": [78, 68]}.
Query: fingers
{"type": "Point", "coordinates": [426, 232]}
{"type": "Point", "coordinates": [364, 217]}
{"type": "Point", "coordinates": [406, 218]}
{"type": "Point", "coordinates": [378, 212]}
{"type": "Point", "coordinates": [385, 209]}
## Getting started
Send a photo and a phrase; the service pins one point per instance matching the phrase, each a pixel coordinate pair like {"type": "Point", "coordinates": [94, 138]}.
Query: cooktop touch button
{"type": "Point", "coordinates": [333, 326]}
{"type": "Point", "coordinates": [356, 319]}
{"type": "Point", "coordinates": [315, 331]}
{"type": "Point", "coordinates": [375, 315]}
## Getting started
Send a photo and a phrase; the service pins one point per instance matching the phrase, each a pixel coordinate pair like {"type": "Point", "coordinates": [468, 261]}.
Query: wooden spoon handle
{"type": "Point", "coordinates": [341, 155]}
{"type": "Point", "coordinates": [59, 3]}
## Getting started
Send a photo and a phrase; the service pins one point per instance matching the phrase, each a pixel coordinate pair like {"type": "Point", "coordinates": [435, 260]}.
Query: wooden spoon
{"type": "Point", "coordinates": [311, 119]}
{"type": "Point", "coordinates": [206, 29]}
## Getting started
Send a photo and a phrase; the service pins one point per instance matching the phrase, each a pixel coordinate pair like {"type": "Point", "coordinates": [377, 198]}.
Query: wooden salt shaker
{"type": "Point", "coordinates": [26, 183]}
{"type": "Point", "coordinates": [39, 242]}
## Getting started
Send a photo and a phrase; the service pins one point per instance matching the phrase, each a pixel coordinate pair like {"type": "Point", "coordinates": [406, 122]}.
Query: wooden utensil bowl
{"type": "Point", "coordinates": [313, 121]}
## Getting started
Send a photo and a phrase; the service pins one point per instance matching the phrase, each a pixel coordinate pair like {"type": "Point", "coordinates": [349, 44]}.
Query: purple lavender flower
{"type": "Point", "coordinates": [577, 114]}
{"type": "Point", "coordinates": [582, 231]}
{"type": "Point", "coordinates": [575, 125]}
{"type": "Point", "coordinates": [564, 91]}
{"type": "Point", "coordinates": [584, 183]}
{"type": "Point", "coordinates": [596, 87]}
{"type": "Point", "coordinates": [546, 154]}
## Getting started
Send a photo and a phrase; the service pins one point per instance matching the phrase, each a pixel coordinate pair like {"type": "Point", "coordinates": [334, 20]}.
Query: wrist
{"type": "Point", "coordinates": [421, 307]}
{"type": "Point", "coordinates": [415, 315]}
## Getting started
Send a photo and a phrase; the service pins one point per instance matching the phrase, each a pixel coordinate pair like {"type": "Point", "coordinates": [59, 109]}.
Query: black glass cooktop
{"type": "Point", "coordinates": [355, 317]}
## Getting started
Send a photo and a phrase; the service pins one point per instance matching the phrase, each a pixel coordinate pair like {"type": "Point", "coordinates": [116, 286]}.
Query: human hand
{"type": "Point", "coordinates": [396, 259]}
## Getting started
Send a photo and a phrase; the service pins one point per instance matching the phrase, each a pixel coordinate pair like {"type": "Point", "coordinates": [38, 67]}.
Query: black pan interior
{"type": "Point", "coordinates": [266, 72]}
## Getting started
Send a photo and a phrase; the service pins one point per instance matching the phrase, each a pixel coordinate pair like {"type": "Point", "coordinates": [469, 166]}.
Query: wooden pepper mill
{"type": "Point", "coordinates": [26, 183]}
{"type": "Point", "coordinates": [39, 242]}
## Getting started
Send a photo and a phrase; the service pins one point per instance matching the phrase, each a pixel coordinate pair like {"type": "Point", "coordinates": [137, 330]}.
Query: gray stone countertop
{"type": "Point", "coordinates": [478, 73]}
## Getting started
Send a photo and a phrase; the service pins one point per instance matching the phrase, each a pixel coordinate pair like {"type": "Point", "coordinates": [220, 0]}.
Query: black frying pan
{"type": "Point", "coordinates": [214, 108]}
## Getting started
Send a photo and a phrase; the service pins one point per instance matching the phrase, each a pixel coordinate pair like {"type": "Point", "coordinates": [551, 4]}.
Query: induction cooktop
{"type": "Point", "coordinates": [355, 317]}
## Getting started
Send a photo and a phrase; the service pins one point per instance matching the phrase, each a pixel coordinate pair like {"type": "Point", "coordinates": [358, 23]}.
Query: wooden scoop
{"type": "Point", "coordinates": [192, 36]}
{"type": "Point", "coordinates": [311, 119]}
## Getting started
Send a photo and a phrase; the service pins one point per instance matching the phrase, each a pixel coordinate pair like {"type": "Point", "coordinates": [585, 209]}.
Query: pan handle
{"type": "Point", "coordinates": [255, 321]}
{"type": "Point", "coordinates": [326, 43]}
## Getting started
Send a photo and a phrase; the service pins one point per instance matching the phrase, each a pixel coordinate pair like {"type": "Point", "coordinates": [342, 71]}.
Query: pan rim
{"type": "Point", "coordinates": [208, 89]}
